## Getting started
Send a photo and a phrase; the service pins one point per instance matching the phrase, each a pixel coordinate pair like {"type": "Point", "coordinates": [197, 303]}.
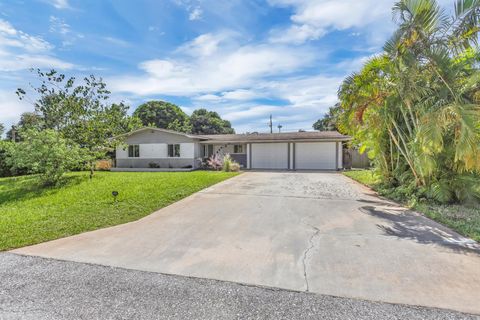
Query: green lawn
{"type": "Point", "coordinates": [465, 220]}
{"type": "Point", "coordinates": [31, 214]}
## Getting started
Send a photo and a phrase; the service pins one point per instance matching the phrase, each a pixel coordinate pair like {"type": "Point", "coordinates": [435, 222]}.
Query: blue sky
{"type": "Point", "coordinates": [244, 59]}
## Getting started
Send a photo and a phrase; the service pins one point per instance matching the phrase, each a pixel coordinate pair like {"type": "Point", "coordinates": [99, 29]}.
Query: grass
{"type": "Point", "coordinates": [31, 214]}
{"type": "Point", "coordinates": [463, 219]}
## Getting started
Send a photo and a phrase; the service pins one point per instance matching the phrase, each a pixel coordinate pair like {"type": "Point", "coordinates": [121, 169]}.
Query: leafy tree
{"type": "Point", "coordinates": [415, 108]}
{"type": "Point", "coordinates": [329, 121]}
{"type": "Point", "coordinates": [163, 115]}
{"type": "Point", "coordinates": [2, 128]}
{"type": "Point", "coordinates": [209, 122]}
{"type": "Point", "coordinates": [81, 113]}
{"type": "Point", "coordinates": [28, 120]}
{"type": "Point", "coordinates": [178, 126]}
{"type": "Point", "coordinates": [46, 153]}
{"type": "Point", "coordinates": [120, 122]}
{"type": "Point", "coordinates": [6, 151]}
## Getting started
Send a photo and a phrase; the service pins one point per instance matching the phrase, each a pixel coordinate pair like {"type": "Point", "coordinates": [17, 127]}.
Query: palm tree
{"type": "Point", "coordinates": [415, 108]}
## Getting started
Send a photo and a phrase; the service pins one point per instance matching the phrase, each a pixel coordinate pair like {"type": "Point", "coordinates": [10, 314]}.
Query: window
{"type": "Point", "coordinates": [174, 150]}
{"type": "Point", "coordinates": [134, 151]}
{"type": "Point", "coordinates": [207, 150]}
{"type": "Point", "coordinates": [238, 148]}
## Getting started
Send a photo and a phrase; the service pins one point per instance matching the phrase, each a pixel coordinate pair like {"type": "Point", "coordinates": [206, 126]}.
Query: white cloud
{"type": "Point", "coordinates": [10, 37]}
{"type": "Point", "coordinates": [314, 18]}
{"type": "Point", "coordinates": [195, 14]}
{"type": "Point", "coordinates": [203, 45]}
{"type": "Point", "coordinates": [19, 50]}
{"type": "Point", "coordinates": [253, 112]}
{"type": "Point", "coordinates": [305, 100]}
{"type": "Point", "coordinates": [241, 94]}
{"type": "Point", "coordinates": [248, 117]}
{"type": "Point", "coordinates": [231, 78]}
{"type": "Point", "coordinates": [234, 95]}
{"type": "Point", "coordinates": [6, 28]}
{"type": "Point", "coordinates": [296, 34]}
{"type": "Point", "coordinates": [222, 69]}
{"type": "Point", "coordinates": [192, 7]}
{"type": "Point", "coordinates": [11, 107]}
{"type": "Point", "coordinates": [354, 64]}
{"type": "Point", "coordinates": [208, 98]}
{"type": "Point", "coordinates": [59, 4]}
{"type": "Point", "coordinates": [117, 41]}
{"type": "Point", "coordinates": [341, 15]}
{"type": "Point", "coordinates": [26, 61]}
{"type": "Point", "coordinates": [58, 25]}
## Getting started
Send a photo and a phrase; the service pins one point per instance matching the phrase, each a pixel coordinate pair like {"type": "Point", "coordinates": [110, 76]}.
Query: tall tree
{"type": "Point", "coordinates": [209, 122]}
{"type": "Point", "coordinates": [79, 112]}
{"type": "Point", "coordinates": [329, 120]}
{"type": "Point", "coordinates": [28, 120]}
{"type": "Point", "coordinates": [163, 115]}
{"type": "Point", "coordinates": [415, 108]}
{"type": "Point", "coordinates": [2, 128]}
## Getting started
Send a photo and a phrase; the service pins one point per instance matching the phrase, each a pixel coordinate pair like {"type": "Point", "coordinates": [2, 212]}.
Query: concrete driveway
{"type": "Point", "coordinates": [317, 232]}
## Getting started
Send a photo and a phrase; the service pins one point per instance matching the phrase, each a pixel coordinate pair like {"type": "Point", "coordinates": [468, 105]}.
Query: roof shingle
{"type": "Point", "coordinates": [284, 136]}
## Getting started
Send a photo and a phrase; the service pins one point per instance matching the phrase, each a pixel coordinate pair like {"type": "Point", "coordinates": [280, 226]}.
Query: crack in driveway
{"type": "Point", "coordinates": [305, 257]}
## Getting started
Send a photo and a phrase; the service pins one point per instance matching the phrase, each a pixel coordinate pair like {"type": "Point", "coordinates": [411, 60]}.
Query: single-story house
{"type": "Point", "coordinates": [160, 148]}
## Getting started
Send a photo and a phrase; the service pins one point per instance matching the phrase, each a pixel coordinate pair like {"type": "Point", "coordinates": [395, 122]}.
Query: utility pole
{"type": "Point", "coordinates": [279, 128]}
{"type": "Point", "coordinates": [271, 124]}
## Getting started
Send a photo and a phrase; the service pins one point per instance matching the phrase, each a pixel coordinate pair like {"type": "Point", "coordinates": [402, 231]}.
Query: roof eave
{"type": "Point", "coordinates": [272, 141]}
{"type": "Point", "coordinates": [160, 130]}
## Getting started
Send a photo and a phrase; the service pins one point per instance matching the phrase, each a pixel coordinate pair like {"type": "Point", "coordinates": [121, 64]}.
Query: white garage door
{"type": "Point", "coordinates": [315, 156]}
{"type": "Point", "coordinates": [270, 156]}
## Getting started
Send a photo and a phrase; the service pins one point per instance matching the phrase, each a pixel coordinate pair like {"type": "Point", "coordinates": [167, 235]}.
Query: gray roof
{"type": "Point", "coordinates": [257, 137]}
{"type": "Point", "coordinates": [284, 136]}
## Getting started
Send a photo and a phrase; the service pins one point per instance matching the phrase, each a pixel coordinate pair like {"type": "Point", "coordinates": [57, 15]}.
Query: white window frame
{"type": "Point", "coordinates": [135, 151]}
{"type": "Point", "coordinates": [236, 146]}
{"type": "Point", "coordinates": [175, 150]}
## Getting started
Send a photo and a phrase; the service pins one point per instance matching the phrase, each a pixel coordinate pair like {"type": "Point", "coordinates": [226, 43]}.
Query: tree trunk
{"type": "Point", "coordinates": [91, 169]}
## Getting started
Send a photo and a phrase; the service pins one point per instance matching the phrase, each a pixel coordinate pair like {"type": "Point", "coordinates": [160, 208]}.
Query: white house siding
{"type": "Point", "coordinates": [154, 149]}
{"type": "Point", "coordinates": [197, 150]}
{"type": "Point", "coordinates": [187, 150]}
{"type": "Point", "coordinates": [121, 153]}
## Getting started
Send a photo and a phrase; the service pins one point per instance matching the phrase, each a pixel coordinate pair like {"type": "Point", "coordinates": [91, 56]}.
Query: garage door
{"type": "Point", "coordinates": [315, 156]}
{"type": "Point", "coordinates": [270, 156]}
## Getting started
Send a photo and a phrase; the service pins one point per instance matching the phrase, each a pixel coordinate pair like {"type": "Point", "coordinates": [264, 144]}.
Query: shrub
{"type": "Point", "coordinates": [103, 165]}
{"type": "Point", "coordinates": [215, 162]}
{"type": "Point", "coordinates": [229, 164]}
{"type": "Point", "coordinates": [153, 165]}
{"type": "Point", "coordinates": [235, 167]}
{"type": "Point", "coordinates": [46, 153]}
{"type": "Point", "coordinates": [6, 149]}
